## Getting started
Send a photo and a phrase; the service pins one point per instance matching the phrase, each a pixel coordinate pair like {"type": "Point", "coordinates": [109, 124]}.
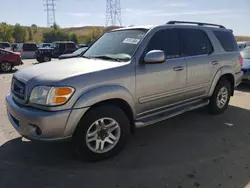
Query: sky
{"type": "Point", "coordinates": [234, 14]}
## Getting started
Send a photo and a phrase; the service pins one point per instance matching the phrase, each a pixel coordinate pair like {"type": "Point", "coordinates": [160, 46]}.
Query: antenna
{"type": "Point", "coordinates": [50, 8]}
{"type": "Point", "coordinates": [113, 13]}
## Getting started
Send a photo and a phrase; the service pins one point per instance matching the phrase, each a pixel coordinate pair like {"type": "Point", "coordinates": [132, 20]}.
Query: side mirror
{"type": "Point", "coordinates": [154, 56]}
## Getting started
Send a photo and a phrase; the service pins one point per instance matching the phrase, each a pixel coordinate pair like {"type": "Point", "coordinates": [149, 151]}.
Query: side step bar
{"type": "Point", "coordinates": [169, 112]}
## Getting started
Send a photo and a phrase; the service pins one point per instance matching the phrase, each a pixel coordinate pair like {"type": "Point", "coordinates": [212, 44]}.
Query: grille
{"type": "Point", "coordinates": [18, 88]}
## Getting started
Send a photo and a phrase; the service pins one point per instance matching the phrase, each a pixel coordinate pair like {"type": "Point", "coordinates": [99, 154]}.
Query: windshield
{"type": "Point", "coordinates": [117, 44]}
{"type": "Point", "coordinates": [79, 51]}
{"type": "Point", "coordinates": [245, 53]}
{"type": "Point", "coordinates": [53, 45]}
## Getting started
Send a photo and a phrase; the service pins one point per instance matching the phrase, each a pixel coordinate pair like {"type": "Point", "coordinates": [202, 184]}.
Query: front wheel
{"type": "Point", "coordinates": [5, 67]}
{"type": "Point", "coordinates": [101, 133]}
{"type": "Point", "coordinates": [220, 98]}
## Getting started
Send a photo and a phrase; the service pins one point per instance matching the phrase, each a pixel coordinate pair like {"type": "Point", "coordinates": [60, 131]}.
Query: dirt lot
{"type": "Point", "coordinates": [191, 150]}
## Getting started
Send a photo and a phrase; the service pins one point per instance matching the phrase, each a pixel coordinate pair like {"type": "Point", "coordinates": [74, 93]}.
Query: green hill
{"type": "Point", "coordinates": [35, 34]}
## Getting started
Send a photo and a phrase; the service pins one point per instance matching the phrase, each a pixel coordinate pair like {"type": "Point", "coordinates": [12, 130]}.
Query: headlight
{"type": "Point", "coordinates": [51, 96]}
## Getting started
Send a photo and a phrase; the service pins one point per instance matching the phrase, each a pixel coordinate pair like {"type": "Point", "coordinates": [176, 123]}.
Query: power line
{"type": "Point", "coordinates": [113, 13]}
{"type": "Point", "coordinates": [50, 8]}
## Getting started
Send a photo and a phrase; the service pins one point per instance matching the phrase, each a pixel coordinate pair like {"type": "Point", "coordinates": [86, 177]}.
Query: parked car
{"type": "Point", "coordinates": [129, 78]}
{"type": "Point", "coordinates": [82, 45]}
{"type": "Point", "coordinates": [246, 64]}
{"type": "Point", "coordinates": [27, 50]}
{"type": "Point", "coordinates": [243, 44]}
{"type": "Point", "coordinates": [56, 49]}
{"type": "Point", "coordinates": [44, 45]}
{"type": "Point", "coordinates": [14, 47]}
{"type": "Point", "coordinates": [76, 53]}
{"type": "Point", "coordinates": [5, 45]}
{"type": "Point", "coordinates": [8, 60]}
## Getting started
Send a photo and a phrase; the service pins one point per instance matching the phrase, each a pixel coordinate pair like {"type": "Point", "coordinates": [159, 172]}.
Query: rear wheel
{"type": "Point", "coordinates": [221, 97]}
{"type": "Point", "coordinates": [5, 67]}
{"type": "Point", "coordinates": [102, 133]}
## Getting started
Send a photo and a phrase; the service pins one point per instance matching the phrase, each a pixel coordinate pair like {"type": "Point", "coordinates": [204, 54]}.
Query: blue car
{"type": "Point", "coordinates": [246, 64]}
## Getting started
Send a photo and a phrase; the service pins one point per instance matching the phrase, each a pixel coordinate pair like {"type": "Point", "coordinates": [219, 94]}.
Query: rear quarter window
{"type": "Point", "coordinates": [227, 40]}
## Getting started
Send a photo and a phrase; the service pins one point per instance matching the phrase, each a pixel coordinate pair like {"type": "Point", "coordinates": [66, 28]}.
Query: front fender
{"type": "Point", "coordinates": [104, 93]}
{"type": "Point", "coordinates": [222, 71]}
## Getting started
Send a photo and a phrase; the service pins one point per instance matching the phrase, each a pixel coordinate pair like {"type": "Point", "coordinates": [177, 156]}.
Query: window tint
{"type": "Point", "coordinates": [166, 40]}
{"type": "Point", "coordinates": [29, 47]}
{"type": "Point", "coordinates": [195, 42]}
{"type": "Point", "coordinates": [5, 44]}
{"type": "Point", "coordinates": [227, 40]}
{"type": "Point", "coordinates": [71, 46]}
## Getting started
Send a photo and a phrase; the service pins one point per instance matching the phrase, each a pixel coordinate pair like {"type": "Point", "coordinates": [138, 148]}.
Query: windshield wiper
{"type": "Point", "coordinates": [106, 58]}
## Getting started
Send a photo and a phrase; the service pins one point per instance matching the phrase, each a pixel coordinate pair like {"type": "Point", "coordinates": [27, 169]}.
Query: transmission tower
{"type": "Point", "coordinates": [50, 9]}
{"type": "Point", "coordinates": [113, 13]}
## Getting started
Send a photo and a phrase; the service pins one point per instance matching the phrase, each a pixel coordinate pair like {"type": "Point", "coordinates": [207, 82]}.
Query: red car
{"type": "Point", "coordinates": [8, 60]}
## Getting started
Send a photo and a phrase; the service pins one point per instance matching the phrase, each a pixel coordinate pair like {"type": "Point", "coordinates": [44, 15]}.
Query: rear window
{"type": "Point", "coordinates": [5, 44]}
{"type": "Point", "coordinates": [29, 47]}
{"type": "Point", "coordinates": [227, 40]}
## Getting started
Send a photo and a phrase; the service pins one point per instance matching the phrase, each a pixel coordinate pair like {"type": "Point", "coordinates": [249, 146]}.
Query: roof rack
{"type": "Point", "coordinates": [195, 23]}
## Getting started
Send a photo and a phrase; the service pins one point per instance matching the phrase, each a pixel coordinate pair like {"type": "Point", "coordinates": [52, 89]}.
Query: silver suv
{"type": "Point", "coordinates": [129, 78]}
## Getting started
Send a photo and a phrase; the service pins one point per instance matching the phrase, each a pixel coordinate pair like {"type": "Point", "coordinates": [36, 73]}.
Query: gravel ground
{"type": "Point", "coordinates": [191, 150]}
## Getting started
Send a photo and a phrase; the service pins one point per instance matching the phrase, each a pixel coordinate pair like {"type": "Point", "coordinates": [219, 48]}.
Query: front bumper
{"type": "Point", "coordinates": [42, 125]}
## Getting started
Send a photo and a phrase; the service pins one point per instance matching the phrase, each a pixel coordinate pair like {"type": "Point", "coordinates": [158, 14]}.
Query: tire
{"type": "Point", "coordinates": [6, 67]}
{"type": "Point", "coordinates": [213, 106]}
{"type": "Point", "coordinates": [87, 149]}
{"type": "Point", "coordinates": [46, 59]}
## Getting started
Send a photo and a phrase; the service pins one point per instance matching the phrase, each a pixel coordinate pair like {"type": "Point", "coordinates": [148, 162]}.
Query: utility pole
{"type": "Point", "coordinates": [50, 9]}
{"type": "Point", "coordinates": [113, 13]}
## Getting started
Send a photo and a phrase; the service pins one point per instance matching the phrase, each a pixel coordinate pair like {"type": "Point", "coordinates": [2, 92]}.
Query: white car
{"type": "Point", "coordinates": [5, 45]}
{"type": "Point", "coordinates": [243, 44]}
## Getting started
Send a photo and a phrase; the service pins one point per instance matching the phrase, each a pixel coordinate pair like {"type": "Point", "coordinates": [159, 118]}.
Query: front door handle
{"type": "Point", "coordinates": [215, 63]}
{"type": "Point", "coordinates": [179, 68]}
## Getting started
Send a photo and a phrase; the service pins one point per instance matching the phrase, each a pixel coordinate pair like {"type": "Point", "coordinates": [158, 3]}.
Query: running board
{"type": "Point", "coordinates": [169, 112]}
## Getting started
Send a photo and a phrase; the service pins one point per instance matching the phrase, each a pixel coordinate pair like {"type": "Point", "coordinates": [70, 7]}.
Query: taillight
{"type": "Point", "coordinates": [241, 60]}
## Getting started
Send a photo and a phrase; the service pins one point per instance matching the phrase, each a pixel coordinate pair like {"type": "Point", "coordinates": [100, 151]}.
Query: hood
{"type": "Point", "coordinates": [68, 56]}
{"type": "Point", "coordinates": [58, 70]}
{"type": "Point", "coordinates": [246, 64]}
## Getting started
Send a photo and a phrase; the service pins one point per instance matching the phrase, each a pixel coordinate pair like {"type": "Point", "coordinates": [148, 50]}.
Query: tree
{"type": "Point", "coordinates": [55, 35]}
{"type": "Point", "coordinates": [30, 34]}
{"type": "Point", "coordinates": [6, 32]}
{"type": "Point", "coordinates": [19, 33]}
{"type": "Point", "coordinates": [34, 27]}
{"type": "Point", "coordinates": [73, 37]}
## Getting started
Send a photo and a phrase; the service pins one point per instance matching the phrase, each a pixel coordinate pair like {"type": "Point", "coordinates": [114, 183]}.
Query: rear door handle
{"type": "Point", "coordinates": [215, 63]}
{"type": "Point", "coordinates": [179, 68]}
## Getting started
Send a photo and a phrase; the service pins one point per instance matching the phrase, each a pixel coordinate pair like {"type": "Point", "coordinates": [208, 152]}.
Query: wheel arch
{"type": "Point", "coordinates": [106, 95]}
{"type": "Point", "coordinates": [223, 73]}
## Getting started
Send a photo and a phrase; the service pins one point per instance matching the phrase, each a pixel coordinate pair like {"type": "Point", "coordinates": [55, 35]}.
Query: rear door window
{"type": "Point", "coordinates": [166, 40]}
{"type": "Point", "coordinates": [71, 46]}
{"type": "Point", "coordinates": [29, 47]}
{"type": "Point", "coordinates": [195, 42]}
{"type": "Point", "coordinates": [227, 40]}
